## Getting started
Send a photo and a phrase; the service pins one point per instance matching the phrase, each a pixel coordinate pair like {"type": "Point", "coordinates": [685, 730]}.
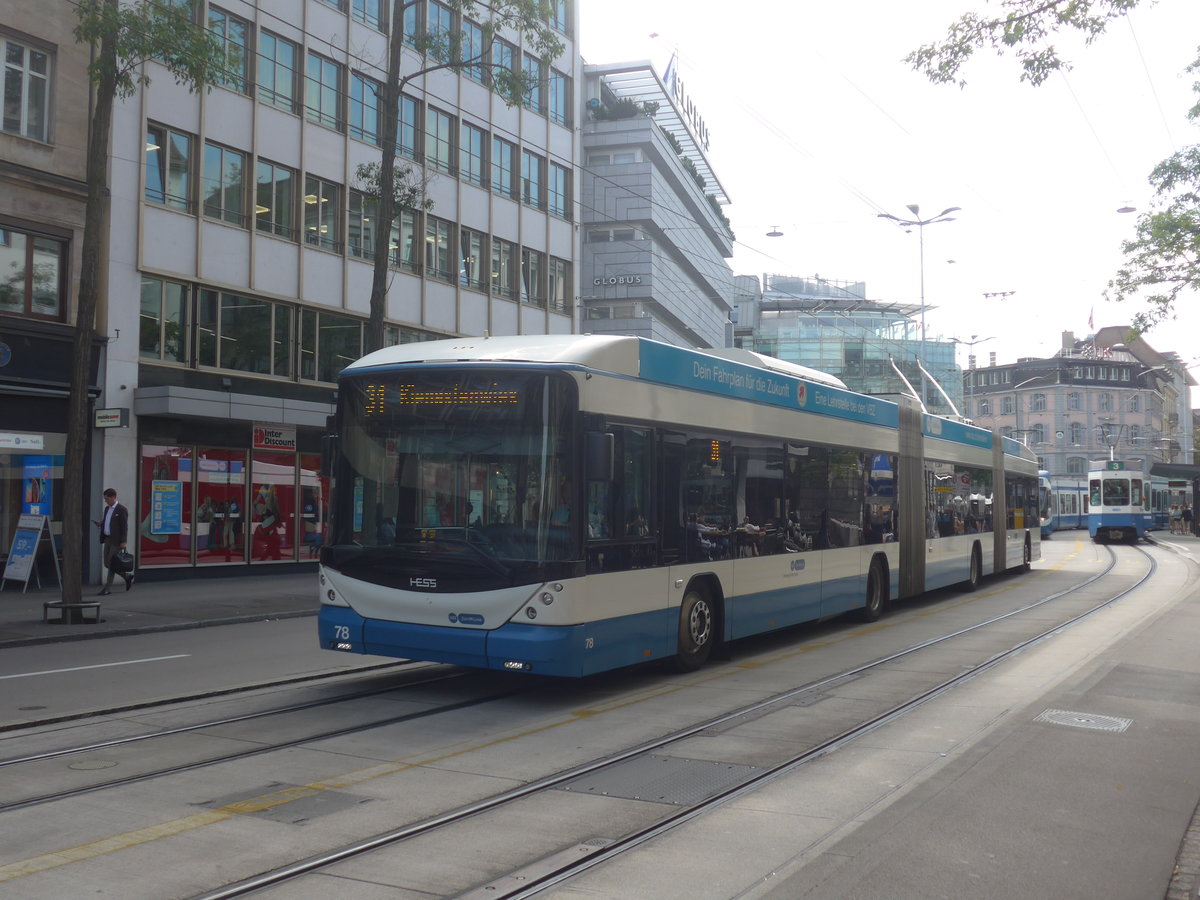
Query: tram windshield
{"type": "Point", "coordinates": [460, 469]}
{"type": "Point", "coordinates": [1116, 492]}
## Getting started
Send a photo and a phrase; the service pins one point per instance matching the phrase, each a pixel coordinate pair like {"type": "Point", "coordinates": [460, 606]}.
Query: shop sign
{"type": "Point", "coordinates": [273, 436]}
{"type": "Point", "coordinates": [112, 418]}
{"type": "Point", "coordinates": [617, 279]}
{"type": "Point", "coordinates": [9, 441]}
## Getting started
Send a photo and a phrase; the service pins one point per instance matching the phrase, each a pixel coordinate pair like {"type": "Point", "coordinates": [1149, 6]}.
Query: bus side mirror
{"type": "Point", "coordinates": [599, 455]}
{"type": "Point", "coordinates": [329, 446]}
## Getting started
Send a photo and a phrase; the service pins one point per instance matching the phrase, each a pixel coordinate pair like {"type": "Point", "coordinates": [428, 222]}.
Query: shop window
{"type": "Point", "coordinates": [32, 268]}
{"type": "Point", "coordinates": [313, 507]}
{"type": "Point", "coordinates": [164, 524]}
{"type": "Point", "coordinates": [163, 323]}
{"type": "Point", "coordinates": [220, 508]}
{"type": "Point", "coordinates": [273, 524]}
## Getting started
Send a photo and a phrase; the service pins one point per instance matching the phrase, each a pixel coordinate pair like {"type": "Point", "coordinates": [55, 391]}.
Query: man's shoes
{"type": "Point", "coordinates": [104, 593]}
{"type": "Point", "coordinates": [128, 582]}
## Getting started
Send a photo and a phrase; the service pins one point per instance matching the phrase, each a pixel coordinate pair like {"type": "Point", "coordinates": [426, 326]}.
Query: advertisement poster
{"type": "Point", "coordinates": [35, 497]}
{"type": "Point", "coordinates": [166, 507]}
{"type": "Point", "coordinates": [24, 547]}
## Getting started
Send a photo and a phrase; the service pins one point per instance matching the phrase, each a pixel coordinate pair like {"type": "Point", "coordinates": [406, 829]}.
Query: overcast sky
{"type": "Point", "coordinates": [817, 125]}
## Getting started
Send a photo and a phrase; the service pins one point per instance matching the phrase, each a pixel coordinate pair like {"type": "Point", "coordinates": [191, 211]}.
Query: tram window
{"type": "Point", "coordinates": [1116, 491]}
{"type": "Point", "coordinates": [1135, 495]}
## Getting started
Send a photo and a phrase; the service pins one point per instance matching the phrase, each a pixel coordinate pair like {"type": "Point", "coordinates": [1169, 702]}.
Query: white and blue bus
{"type": "Point", "coordinates": [565, 505]}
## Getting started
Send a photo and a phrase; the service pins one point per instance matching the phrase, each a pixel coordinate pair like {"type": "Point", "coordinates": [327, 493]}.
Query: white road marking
{"type": "Point", "coordinates": [128, 662]}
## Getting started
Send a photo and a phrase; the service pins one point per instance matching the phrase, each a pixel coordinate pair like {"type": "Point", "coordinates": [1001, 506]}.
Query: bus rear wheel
{"type": "Point", "coordinates": [876, 594]}
{"type": "Point", "coordinates": [976, 572]}
{"type": "Point", "coordinates": [697, 630]}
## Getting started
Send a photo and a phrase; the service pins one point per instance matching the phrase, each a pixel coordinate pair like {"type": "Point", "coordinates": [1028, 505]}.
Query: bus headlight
{"type": "Point", "coordinates": [547, 598]}
{"type": "Point", "coordinates": [530, 612]}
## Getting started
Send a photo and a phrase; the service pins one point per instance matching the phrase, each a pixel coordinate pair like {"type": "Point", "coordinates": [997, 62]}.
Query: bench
{"type": "Point", "coordinates": [71, 613]}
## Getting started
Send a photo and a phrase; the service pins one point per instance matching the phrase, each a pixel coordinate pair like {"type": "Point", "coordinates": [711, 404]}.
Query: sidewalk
{"type": "Point", "coordinates": [159, 606]}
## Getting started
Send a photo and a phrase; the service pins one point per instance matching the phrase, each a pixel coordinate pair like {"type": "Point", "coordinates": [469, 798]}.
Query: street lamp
{"type": "Point", "coordinates": [920, 223]}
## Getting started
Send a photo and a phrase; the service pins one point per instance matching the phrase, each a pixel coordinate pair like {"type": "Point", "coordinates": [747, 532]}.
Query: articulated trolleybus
{"type": "Point", "coordinates": [564, 505]}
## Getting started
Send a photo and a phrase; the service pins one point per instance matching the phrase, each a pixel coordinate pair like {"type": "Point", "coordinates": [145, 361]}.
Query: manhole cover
{"type": "Point", "coordinates": [1084, 720]}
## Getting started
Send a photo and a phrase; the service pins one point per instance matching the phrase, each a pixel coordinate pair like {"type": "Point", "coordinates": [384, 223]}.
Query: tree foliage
{"type": "Point", "coordinates": [434, 50]}
{"type": "Point", "coordinates": [1162, 263]}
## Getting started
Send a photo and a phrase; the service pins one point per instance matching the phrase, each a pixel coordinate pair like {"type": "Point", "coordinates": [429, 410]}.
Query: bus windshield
{"type": "Point", "coordinates": [471, 469]}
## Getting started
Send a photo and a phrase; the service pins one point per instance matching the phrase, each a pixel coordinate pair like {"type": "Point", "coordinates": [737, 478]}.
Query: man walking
{"type": "Point", "coordinates": [114, 529]}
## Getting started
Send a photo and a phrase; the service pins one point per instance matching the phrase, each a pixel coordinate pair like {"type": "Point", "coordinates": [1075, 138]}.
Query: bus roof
{"type": "Point", "coordinates": [607, 353]}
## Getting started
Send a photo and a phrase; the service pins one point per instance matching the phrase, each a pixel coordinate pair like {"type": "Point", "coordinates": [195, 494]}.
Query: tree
{"type": "Point", "coordinates": [441, 49]}
{"type": "Point", "coordinates": [1162, 262]}
{"type": "Point", "coordinates": [123, 37]}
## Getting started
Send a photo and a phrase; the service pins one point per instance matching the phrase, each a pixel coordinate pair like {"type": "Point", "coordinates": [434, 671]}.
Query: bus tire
{"type": "Point", "coordinates": [876, 594]}
{"type": "Point", "coordinates": [697, 629]}
{"type": "Point", "coordinates": [976, 572]}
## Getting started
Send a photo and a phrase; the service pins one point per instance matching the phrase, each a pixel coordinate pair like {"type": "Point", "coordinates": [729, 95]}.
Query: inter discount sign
{"type": "Point", "coordinates": [274, 436]}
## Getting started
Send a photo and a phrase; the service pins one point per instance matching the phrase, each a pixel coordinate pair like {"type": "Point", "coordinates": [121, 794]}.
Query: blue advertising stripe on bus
{"type": "Point", "coordinates": [683, 368]}
{"type": "Point", "coordinates": [960, 433]}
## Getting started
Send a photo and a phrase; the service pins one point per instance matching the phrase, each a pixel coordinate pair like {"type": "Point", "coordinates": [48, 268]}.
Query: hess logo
{"type": "Point", "coordinates": [422, 582]}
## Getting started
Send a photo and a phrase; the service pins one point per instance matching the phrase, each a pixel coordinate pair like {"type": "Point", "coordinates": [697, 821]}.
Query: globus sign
{"type": "Point", "coordinates": [617, 279]}
{"type": "Point", "coordinates": [274, 436]}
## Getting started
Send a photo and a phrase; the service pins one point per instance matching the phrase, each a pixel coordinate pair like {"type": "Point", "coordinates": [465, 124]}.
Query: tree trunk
{"type": "Point", "coordinates": [74, 520]}
{"type": "Point", "coordinates": [389, 98]}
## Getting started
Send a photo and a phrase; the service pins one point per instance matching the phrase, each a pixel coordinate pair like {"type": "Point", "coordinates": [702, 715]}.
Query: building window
{"type": "Point", "coordinates": [403, 245]}
{"type": "Point", "coordinates": [32, 270]}
{"type": "Point", "coordinates": [26, 90]}
{"type": "Point", "coordinates": [1038, 403]}
{"type": "Point", "coordinates": [504, 59]}
{"type": "Point", "coordinates": [169, 168]}
{"type": "Point", "coordinates": [440, 20]}
{"type": "Point", "coordinates": [560, 16]}
{"type": "Point", "coordinates": [323, 91]}
{"type": "Point", "coordinates": [560, 285]}
{"type": "Point", "coordinates": [985, 407]}
{"type": "Point", "coordinates": [504, 270]}
{"type": "Point", "coordinates": [276, 71]}
{"type": "Point", "coordinates": [321, 205]}
{"type": "Point", "coordinates": [244, 334]}
{"type": "Point", "coordinates": [1074, 400]}
{"type": "Point", "coordinates": [328, 343]}
{"type": "Point", "coordinates": [1007, 405]}
{"type": "Point", "coordinates": [231, 33]}
{"type": "Point", "coordinates": [224, 184]}
{"type": "Point", "coordinates": [533, 277]}
{"type": "Point", "coordinates": [533, 169]}
{"type": "Point", "coordinates": [1134, 403]}
{"type": "Point", "coordinates": [503, 168]}
{"type": "Point", "coordinates": [1135, 433]}
{"type": "Point", "coordinates": [559, 191]}
{"type": "Point", "coordinates": [339, 5]}
{"type": "Point", "coordinates": [439, 140]}
{"type": "Point", "coordinates": [473, 50]}
{"type": "Point", "coordinates": [439, 249]}
{"type": "Point", "coordinates": [473, 158]}
{"type": "Point", "coordinates": [1076, 465]}
{"type": "Point", "coordinates": [162, 329]}
{"type": "Point", "coordinates": [560, 98]}
{"type": "Point", "coordinates": [1037, 434]}
{"type": "Point", "coordinates": [1076, 433]}
{"type": "Point", "coordinates": [412, 22]}
{"type": "Point", "coordinates": [274, 200]}
{"type": "Point", "coordinates": [406, 127]}
{"type": "Point", "coordinates": [1104, 402]}
{"type": "Point", "coordinates": [471, 273]}
{"type": "Point", "coordinates": [369, 12]}
{"type": "Point", "coordinates": [535, 95]}
{"type": "Point", "coordinates": [360, 225]}
{"type": "Point", "coordinates": [364, 108]}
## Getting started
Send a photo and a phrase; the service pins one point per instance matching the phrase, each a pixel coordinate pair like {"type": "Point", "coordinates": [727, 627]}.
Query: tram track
{"type": "Point", "coordinates": [586, 855]}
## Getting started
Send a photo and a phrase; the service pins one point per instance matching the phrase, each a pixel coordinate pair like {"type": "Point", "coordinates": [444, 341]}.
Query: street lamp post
{"type": "Point", "coordinates": [920, 224]}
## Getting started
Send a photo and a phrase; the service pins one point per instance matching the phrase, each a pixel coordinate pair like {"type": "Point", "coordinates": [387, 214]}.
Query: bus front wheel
{"type": "Point", "coordinates": [697, 630]}
{"type": "Point", "coordinates": [877, 594]}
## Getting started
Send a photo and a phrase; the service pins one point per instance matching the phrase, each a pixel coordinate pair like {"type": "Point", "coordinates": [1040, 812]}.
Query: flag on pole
{"type": "Point", "coordinates": [1091, 318]}
{"type": "Point", "coordinates": [670, 76]}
